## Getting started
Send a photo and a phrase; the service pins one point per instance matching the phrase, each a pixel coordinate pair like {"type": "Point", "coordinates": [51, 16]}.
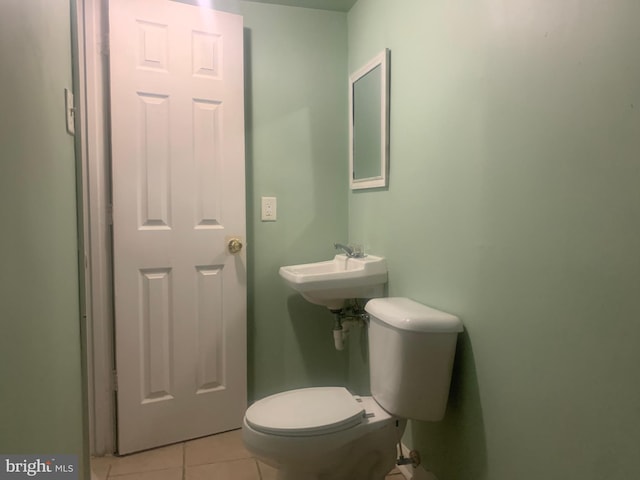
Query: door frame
{"type": "Point", "coordinates": [92, 103]}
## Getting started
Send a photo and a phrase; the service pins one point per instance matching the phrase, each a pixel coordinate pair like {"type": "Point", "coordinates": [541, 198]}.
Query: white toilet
{"type": "Point", "coordinates": [326, 433]}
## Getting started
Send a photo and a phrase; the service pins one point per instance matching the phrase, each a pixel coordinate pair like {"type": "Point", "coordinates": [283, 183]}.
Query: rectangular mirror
{"type": "Point", "coordinates": [369, 123]}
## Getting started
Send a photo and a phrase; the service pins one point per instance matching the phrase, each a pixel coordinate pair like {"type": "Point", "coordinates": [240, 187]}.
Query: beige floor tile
{"type": "Point", "coordinates": [168, 474]}
{"type": "Point", "coordinates": [245, 469]}
{"type": "Point", "coordinates": [216, 448]}
{"type": "Point", "coordinates": [267, 472]}
{"type": "Point", "coordinates": [100, 466]}
{"type": "Point", "coordinates": [157, 459]}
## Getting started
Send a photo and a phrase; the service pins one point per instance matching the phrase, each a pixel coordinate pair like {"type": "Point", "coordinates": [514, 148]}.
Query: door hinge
{"type": "Point", "coordinates": [70, 112]}
{"type": "Point", "coordinates": [114, 380]}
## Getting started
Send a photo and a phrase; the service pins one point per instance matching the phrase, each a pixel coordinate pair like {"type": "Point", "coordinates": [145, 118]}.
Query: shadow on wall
{"type": "Point", "coordinates": [358, 346]}
{"type": "Point", "coordinates": [323, 365]}
{"type": "Point", "coordinates": [250, 212]}
{"type": "Point", "coordinates": [460, 435]}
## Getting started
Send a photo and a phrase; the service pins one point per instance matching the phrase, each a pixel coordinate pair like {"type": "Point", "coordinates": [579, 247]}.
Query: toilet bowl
{"type": "Point", "coordinates": [326, 433]}
{"type": "Point", "coordinates": [323, 432]}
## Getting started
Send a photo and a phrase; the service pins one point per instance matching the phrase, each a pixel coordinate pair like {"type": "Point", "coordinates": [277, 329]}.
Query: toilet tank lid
{"type": "Point", "coordinates": [406, 314]}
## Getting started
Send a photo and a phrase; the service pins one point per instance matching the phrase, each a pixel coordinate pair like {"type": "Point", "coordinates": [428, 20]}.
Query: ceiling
{"type": "Point", "coordinates": [336, 5]}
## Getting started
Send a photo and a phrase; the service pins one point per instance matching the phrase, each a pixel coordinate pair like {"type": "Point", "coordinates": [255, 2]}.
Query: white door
{"type": "Point", "coordinates": [177, 118]}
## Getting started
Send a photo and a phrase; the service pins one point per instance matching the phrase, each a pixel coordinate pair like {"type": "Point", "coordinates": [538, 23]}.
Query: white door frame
{"type": "Point", "coordinates": [92, 47]}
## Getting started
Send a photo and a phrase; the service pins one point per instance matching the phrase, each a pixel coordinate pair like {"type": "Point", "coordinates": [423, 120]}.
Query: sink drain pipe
{"type": "Point", "coordinates": [346, 318]}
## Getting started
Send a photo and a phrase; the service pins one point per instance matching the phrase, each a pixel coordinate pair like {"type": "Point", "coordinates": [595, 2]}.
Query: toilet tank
{"type": "Point", "coordinates": [411, 352]}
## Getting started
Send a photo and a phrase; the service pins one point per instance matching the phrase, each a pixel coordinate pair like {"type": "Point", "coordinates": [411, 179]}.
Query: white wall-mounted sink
{"type": "Point", "coordinates": [332, 282]}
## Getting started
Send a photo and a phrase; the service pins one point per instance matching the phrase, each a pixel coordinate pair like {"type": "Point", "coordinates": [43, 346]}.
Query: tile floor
{"type": "Point", "coordinates": [218, 457]}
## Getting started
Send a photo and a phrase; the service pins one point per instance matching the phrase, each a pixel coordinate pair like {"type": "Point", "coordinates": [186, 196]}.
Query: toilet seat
{"type": "Point", "coordinates": [307, 411]}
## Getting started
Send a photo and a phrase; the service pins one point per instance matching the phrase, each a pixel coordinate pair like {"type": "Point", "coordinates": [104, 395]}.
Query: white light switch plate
{"type": "Point", "coordinates": [269, 209]}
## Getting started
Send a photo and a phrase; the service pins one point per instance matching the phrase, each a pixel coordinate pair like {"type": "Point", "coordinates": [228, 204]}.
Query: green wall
{"type": "Point", "coordinates": [296, 151]}
{"type": "Point", "coordinates": [514, 202]}
{"type": "Point", "coordinates": [41, 408]}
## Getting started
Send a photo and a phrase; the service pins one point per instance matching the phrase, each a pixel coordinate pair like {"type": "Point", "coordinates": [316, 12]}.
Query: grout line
{"type": "Point", "coordinates": [258, 467]}
{"type": "Point", "coordinates": [184, 461]}
{"type": "Point", "coordinates": [143, 472]}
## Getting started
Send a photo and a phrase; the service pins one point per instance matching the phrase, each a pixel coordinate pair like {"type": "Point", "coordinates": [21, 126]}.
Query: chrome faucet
{"type": "Point", "coordinates": [349, 251]}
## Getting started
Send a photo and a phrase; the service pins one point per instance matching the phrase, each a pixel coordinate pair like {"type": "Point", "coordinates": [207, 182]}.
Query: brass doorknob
{"type": "Point", "coordinates": [234, 245]}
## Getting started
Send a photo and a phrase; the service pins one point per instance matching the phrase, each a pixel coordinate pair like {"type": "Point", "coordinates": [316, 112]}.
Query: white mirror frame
{"type": "Point", "coordinates": [382, 60]}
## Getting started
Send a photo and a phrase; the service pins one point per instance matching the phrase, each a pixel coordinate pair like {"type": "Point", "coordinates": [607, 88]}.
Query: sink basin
{"type": "Point", "coordinates": [332, 282]}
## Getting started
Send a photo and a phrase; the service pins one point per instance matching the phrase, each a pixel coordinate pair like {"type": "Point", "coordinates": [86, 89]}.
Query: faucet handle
{"type": "Point", "coordinates": [358, 250]}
